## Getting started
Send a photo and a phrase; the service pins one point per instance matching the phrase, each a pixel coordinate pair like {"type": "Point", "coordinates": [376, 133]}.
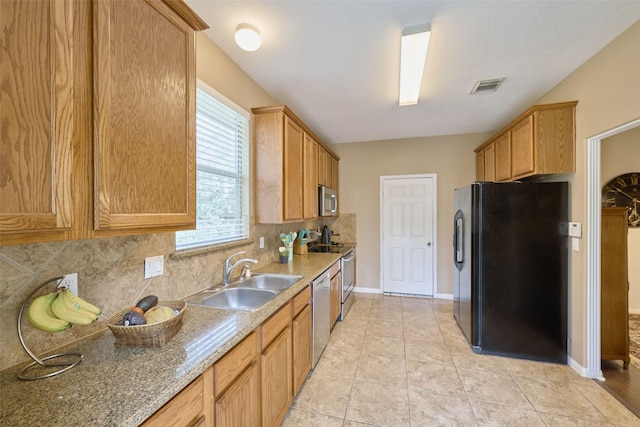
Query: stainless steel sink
{"type": "Point", "coordinates": [274, 282]}
{"type": "Point", "coordinates": [245, 294]}
{"type": "Point", "coordinates": [236, 298]}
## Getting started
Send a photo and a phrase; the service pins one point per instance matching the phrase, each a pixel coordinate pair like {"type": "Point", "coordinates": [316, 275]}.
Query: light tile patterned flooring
{"type": "Point", "coordinates": [397, 361]}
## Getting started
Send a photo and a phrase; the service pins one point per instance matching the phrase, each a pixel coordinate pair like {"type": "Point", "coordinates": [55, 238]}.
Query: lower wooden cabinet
{"type": "Point", "coordinates": [335, 294]}
{"type": "Point", "coordinates": [255, 382]}
{"type": "Point", "coordinates": [276, 379]}
{"type": "Point", "coordinates": [276, 366]}
{"type": "Point", "coordinates": [238, 405]}
{"type": "Point", "coordinates": [302, 337]}
{"type": "Point", "coordinates": [185, 409]}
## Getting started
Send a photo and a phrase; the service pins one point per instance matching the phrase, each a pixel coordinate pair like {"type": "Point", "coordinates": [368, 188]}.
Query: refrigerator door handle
{"type": "Point", "coordinates": [458, 242]}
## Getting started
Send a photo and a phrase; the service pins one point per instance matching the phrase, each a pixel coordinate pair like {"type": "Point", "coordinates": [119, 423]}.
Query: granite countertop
{"type": "Point", "coordinates": [124, 386]}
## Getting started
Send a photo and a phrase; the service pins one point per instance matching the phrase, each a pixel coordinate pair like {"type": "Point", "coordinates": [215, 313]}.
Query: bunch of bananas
{"type": "Point", "coordinates": [56, 311]}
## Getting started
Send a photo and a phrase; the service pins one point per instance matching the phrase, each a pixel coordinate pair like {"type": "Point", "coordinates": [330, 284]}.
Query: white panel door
{"type": "Point", "coordinates": [408, 243]}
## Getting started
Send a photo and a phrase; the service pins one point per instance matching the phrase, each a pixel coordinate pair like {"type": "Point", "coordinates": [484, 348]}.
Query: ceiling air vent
{"type": "Point", "coordinates": [484, 86]}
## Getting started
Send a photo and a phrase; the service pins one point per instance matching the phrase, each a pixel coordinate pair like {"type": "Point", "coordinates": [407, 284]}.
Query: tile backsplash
{"type": "Point", "coordinates": [111, 276]}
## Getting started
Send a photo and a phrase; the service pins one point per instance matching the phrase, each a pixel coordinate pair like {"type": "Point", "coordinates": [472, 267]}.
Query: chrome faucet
{"type": "Point", "coordinates": [228, 267]}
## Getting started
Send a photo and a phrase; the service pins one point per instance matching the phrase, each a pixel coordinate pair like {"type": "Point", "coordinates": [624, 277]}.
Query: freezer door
{"type": "Point", "coordinates": [462, 257]}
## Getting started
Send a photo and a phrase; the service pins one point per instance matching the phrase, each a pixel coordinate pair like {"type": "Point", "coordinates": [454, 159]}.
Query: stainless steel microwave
{"type": "Point", "coordinates": [327, 201]}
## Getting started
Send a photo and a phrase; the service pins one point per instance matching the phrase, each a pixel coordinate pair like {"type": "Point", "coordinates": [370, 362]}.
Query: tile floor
{"type": "Point", "coordinates": [399, 361]}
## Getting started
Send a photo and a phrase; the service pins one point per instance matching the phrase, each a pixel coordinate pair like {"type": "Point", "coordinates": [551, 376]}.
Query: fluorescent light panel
{"type": "Point", "coordinates": [413, 55]}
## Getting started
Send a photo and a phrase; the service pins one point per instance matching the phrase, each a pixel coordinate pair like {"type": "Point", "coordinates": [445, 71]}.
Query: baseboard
{"type": "Point", "coordinates": [634, 311]}
{"type": "Point", "coordinates": [367, 290]}
{"type": "Point", "coordinates": [444, 296]}
{"type": "Point", "coordinates": [596, 375]}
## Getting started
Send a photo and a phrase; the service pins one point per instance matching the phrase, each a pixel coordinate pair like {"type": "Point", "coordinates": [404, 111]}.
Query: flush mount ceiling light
{"type": "Point", "coordinates": [413, 55]}
{"type": "Point", "coordinates": [248, 37]}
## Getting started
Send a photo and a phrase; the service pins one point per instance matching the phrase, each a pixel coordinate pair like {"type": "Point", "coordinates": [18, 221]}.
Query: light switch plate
{"type": "Point", "coordinates": [575, 229]}
{"type": "Point", "coordinates": [261, 242]}
{"type": "Point", "coordinates": [575, 244]}
{"type": "Point", "coordinates": [153, 266]}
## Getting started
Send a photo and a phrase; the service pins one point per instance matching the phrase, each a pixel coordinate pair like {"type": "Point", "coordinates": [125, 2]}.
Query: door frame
{"type": "Point", "coordinates": [593, 316]}
{"type": "Point", "coordinates": [434, 260]}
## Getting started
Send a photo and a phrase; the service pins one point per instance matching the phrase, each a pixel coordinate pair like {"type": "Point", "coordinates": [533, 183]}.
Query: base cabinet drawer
{"type": "Point", "coordinates": [185, 409]}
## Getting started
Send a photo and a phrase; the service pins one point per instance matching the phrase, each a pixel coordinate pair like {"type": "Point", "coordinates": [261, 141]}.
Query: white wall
{"type": "Point", "coordinates": [620, 154]}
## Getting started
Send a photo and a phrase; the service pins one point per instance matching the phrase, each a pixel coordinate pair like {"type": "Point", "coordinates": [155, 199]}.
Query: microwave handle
{"type": "Point", "coordinates": [334, 203]}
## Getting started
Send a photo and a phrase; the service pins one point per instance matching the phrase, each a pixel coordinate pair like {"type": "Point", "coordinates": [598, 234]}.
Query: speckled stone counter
{"type": "Point", "coordinates": [123, 387]}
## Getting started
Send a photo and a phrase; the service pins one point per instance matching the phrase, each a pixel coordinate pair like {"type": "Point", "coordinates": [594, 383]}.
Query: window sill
{"type": "Point", "coordinates": [207, 249]}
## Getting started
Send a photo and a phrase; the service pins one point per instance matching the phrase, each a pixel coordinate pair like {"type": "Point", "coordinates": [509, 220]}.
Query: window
{"type": "Point", "coordinates": [222, 172]}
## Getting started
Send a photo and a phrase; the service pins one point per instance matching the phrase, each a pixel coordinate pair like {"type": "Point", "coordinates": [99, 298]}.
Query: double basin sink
{"type": "Point", "coordinates": [245, 294]}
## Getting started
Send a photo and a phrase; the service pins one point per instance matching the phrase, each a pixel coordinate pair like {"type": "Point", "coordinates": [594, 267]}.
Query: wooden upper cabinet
{"type": "Point", "coordinates": [293, 147]}
{"type": "Point", "coordinates": [323, 159]}
{"type": "Point", "coordinates": [144, 80]}
{"type": "Point", "coordinates": [310, 177]}
{"type": "Point", "coordinates": [289, 159]}
{"type": "Point", "coordinates": [98, 118]}
{"type": "Point", "coordinates": [523, 157]}
{"type": "Point", "coordinates": [36, 118]}
{"type": "Point", "coordinates": [480, 165]}
{"type": "Point", "coordinates": [334, 173]}
{"type": "Point", "coordinates": [541, 141]}
{"type": "Point", "coordinates": [502, 146]}
{"type": "Point", "coordinates": [489, 163]}
{"type": "Point", "coordinates": [485, 163]}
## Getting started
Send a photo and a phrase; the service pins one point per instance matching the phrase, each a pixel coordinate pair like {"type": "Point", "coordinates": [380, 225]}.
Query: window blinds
{"type": "Point", "coordinates": [222, 174]}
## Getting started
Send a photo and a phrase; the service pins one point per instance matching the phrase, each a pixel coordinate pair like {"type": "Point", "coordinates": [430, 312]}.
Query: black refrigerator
{"type": "Point", "coordinates": [510, 250]}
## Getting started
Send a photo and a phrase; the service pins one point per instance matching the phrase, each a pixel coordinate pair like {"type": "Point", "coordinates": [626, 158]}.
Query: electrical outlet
{"type": "Point", "coordinates": [70, 281]}
{"type": "Point", "coordinates": [153, 266]}
{"type": "Point", "coordinates": [261, 242]}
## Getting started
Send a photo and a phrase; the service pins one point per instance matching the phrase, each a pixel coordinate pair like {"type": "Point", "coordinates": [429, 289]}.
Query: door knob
{"type": "Point", "coordinates": [428, 243]}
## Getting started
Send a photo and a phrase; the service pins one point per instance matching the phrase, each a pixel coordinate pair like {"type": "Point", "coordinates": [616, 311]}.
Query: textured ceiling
{"type": "Point", "coordinates": [336, 63]}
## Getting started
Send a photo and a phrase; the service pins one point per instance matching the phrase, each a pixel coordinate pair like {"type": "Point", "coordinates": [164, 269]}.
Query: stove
{"type": "Point", "coordinates": [334, 248]}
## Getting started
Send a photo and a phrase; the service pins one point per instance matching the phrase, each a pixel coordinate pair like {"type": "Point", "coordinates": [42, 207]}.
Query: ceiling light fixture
{"type": "Point", "coordinates": [413, 55]}
{"type": "Point", "coordinates": [248, 37]}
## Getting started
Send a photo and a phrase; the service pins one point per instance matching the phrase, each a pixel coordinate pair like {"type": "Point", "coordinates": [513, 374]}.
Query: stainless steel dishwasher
{"type": "Point", "coordinates": [321, 299]}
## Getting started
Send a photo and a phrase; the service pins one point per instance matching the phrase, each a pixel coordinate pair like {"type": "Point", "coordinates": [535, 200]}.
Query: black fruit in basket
{"type": "Point", "coordinates": [147, 302]}
{"type": "Point", "coordinates": [133, 318]}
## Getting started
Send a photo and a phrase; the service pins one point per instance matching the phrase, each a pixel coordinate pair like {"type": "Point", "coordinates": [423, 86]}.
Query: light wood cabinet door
{"type": "Point", "coordinates": [293, 143]}
{"type": "Point", "coordinates": [323, 158]}
{"type": "Point", "coordinates": [186, 409]}
{"type": "Point", "coordinates": [310, 177]}
{"type": "Point", "coordinates": [614, 294]}
{"type": "Point", "coordinates": [489, 163]}
{"type": "Point", "coordinates": [302, 347]}
{"type": "Point", "coordinates": [334, 173]}
{"type": "Point", "coordinates": [36, 117]}
{"type": "Point", "coordinates": [503, 157]}
{"type": "Point", "coordinates": [335, 299]}
{"type": "Point", "coordinates": [240, 404]}
{"type": "Point", "coordinates": [276, 379]}
{"type": "Point", "coordinates": [480, 165]}
{"type": "Point", "coordinates": [144, 77]}
{"type": "Point", "coordinates": [523, 154]}
{"type": "Point", "coordinates": [540, 141]}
